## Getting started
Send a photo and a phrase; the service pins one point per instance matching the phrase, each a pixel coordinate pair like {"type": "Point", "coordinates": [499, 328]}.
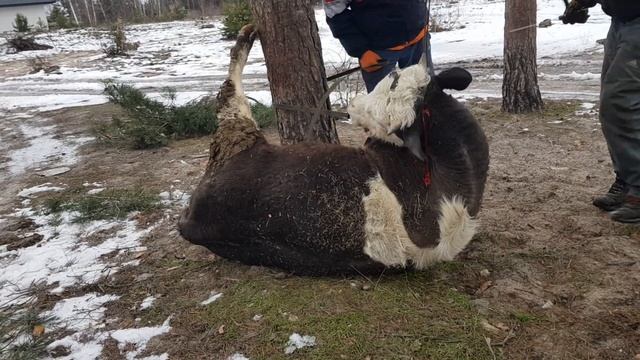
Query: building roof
{"type": "Point", "coordinates": [7, 3]}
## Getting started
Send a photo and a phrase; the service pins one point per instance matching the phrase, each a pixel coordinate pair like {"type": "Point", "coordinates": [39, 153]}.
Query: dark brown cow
{"type": "Point", "coordinates": [324, 209]}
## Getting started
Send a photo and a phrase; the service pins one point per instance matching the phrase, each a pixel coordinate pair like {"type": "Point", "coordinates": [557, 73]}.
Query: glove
{"type": "Point", "coordinates": [576, 12]}
{"type": "Point", "coordinates": [370, 61]}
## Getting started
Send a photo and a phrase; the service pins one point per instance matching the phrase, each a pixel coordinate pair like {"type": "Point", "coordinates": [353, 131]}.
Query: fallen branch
{"type": "Point", "coordinates": [20, 43]}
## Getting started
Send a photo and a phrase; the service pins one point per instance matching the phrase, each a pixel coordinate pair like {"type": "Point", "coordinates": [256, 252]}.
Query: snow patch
{"type": "Point", "coordinates": [174, 197]}
{"type": "Point", "coordinates": [572, 76]}
{"type": "Point", "coordinates": [139, 337]}
{"type": "Point", "coordinates": [237, 356]}
{"type": "Point", "coordinates": [147, 302]}
{"type": "Point", "coordinates": [27, 192]}
{"type": "Point", "coordinates": [43, 147]}
{"type": "Point", "coordinates": [85, 345]}
{"type": "Point", "coordinates": [80, 313]}
{"type": "Point", "coordinates": [296, 341]}
{"type": "Point", "coordinates": [214, 296]}
{"type": "Point", "coordinates": [80, 347]}
{"type": "Point", "coordinates": [62, 258]}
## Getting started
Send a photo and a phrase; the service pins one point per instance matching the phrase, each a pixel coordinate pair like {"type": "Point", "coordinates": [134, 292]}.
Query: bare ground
{"type": "Point", "coordinates": [562, 279]}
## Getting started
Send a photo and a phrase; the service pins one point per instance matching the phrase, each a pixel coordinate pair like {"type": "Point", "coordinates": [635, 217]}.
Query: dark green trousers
{"type": "Point", "coordinates": [620, 100]}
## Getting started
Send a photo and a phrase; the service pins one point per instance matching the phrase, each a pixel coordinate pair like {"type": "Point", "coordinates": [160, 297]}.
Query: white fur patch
{"type": "Point", "coordinates": [386, 237]}
{"type": "Point", "coordinates": [385, 110]}
{"type": "Point", "coordinates": [387, 241]}
{"type": "Point", "coordinates": [456, 231]}
{"type": "Point", "coordinates": [239, 101]}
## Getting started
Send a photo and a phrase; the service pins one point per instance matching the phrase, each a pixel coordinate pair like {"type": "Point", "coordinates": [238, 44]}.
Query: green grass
{"type": "Point", "coordinates": [411, 315]}
{"type": "Point", "coordinates": [109, 204]}
{"type": "Point", "coordinates": [525, 318]}
{"type": "Point", "coordinates": [16, 328]}
{"type": "Point", "coordinates": [263, 115]}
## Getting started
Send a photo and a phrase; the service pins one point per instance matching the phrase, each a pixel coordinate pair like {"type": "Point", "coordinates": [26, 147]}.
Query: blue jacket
{"type": "Point", "coordinates": [623, 10]}
{"type": "Point", "coordinates": [363, 25]}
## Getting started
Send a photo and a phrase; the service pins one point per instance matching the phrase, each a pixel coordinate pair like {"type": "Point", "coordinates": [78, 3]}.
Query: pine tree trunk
{"type": "Point", "coordinates": [520, 91]}
{"type": "Point", "coordinates": [291, 46]}
{"type": "Point", "coordinates": [73, 11]}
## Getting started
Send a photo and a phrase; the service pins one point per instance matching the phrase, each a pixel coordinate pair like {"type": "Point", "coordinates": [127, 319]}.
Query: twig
{"type": "Point", "coordinates": [488, 341]}
{"type": "Point", "coordinates": [622, 263]}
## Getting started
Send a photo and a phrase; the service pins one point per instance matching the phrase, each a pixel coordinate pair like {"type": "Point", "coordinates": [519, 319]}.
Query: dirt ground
{"type": "Point", "coordinates": [547, 277]}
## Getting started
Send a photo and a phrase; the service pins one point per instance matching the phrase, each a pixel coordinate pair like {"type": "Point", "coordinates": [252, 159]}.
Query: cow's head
{"type": "Point", "coordinates": [392, 112]}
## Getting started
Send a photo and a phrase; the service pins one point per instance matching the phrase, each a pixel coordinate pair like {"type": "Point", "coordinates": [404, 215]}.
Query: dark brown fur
{"type": "Point", "coordinates": [300, 207]}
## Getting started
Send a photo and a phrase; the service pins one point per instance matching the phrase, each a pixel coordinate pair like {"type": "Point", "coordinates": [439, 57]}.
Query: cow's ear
{"type": "Point", "coordinates": [412, 138]}
{"type": "Point", "coordinates": [455, 78]}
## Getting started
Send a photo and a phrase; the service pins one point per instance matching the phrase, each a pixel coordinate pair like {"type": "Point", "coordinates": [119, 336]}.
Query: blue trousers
{"type": "Point", "coordinates": [403, 58]}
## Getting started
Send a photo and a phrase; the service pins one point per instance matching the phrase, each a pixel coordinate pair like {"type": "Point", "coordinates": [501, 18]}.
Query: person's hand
{"type": "Point", "coordinates": [576, 13]}
{"type": "Point", "coordinates": [370, 61]}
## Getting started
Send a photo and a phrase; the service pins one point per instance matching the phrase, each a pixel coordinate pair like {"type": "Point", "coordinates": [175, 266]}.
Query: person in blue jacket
{"type": "Point", "coordinates": [380, 33]}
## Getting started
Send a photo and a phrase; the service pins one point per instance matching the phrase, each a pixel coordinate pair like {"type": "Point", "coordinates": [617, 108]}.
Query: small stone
{"type": "Point", "coordinates": [366, 287]}
{"type": "Point", "coordinates": [143, 277]}
{"type": "Point", "coordinates": [485, 273]}
{"type": "Point", "coordinates": [488, 327]}
{"type": "Point", "coordinates": [545, 23]}
{"type": "Point", "coordinates": [257, 317]}
{"type": "Point", "coordinates": [547, 305]}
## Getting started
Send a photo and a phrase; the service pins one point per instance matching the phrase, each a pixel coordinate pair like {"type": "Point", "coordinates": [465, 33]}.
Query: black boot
{"type": "Point", "coordinates": [629, 212]}
{"type": "Point", "coordinates": [613, 199]}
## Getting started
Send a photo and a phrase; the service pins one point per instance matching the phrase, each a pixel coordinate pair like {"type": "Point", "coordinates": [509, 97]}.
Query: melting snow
{"type": "Point", "coordinates": [214, 296]}
{"type": "Point", "coordinates": [63, 258]}
{"type": "Point", "coordinates": [38, 189]}
{"type": "Point", "coordinates": [139, 337]}
{"type": "Point", "coordinates": [86, 346]}
{"type": "Point", "coordinates": [43, 146]}
{"type": "Point", "coordinates": [147, 302]}
{"type": "Point", "coordinates": [298, 342]}
{"type": "Point", "coordinates": [177, 197]}
{"type": "Point", "coordinates": [80, 347]}
{"type": "Point", "coordinates": [81, 312]}
{"type": "Point", "coordinates": [237, 356]}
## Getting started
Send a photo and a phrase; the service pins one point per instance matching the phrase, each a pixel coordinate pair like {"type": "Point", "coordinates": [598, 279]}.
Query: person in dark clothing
{"type": "Point", "coordinates": [380, 33]}
{"type": "Point", "coordinates": [619, 102]}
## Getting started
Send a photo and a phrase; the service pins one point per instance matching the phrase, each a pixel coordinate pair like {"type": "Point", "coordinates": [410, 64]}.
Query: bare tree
{"type": "Point", "coordinates": [291, 45]}
{"type": "Point", "coordinates": [520, 91]}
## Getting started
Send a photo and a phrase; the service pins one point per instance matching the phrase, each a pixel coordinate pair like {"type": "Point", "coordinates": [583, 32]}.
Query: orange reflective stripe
{"type": "Point", "coordinates": [415, 40]}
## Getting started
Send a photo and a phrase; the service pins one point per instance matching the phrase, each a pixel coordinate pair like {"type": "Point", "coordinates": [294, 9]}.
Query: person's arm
{"type": "Point", "coordinates": [343, 28]}
{"type": "Point", "coordinates": [587, 3]}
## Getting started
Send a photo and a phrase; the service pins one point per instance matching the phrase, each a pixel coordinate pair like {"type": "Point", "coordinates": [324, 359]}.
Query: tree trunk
{"type": "Point", "coordinates": [73, 11]}
{"type": "Point", "coordinates": [520, 91]}
{"type": "Point", "coordinates": [291, 46]}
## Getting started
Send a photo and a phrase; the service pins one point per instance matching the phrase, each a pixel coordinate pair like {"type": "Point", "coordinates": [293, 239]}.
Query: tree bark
{"type": "Point", "coordinates": [291, 46]}
{"type": "Point", "coordinates": [520, 91]}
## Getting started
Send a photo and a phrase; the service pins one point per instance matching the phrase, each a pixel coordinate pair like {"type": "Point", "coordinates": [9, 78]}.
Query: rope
{"type": "Point", "coordinates": [427, 44]}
